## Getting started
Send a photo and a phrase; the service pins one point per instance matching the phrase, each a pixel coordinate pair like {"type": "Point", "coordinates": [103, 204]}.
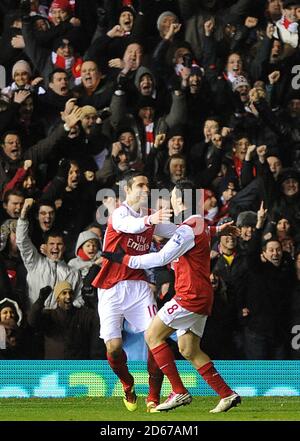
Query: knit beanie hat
{"type": "Point", "coordinates": [21, 65]}
{"type": "Point", "coordinates": [177, 130]}
{"type": "Point", "coordinates": [61, 4]}
{"type": "Point", "coordinates": [127, 9]}
{"type": "Point", "coordinates": [87, 110]}
{"type": "Point", "coordinates": [60, 287]}
{"type": "Point", "coordinates": [239, 81]}
{"type": "Point", "coordinates": [163, 15]}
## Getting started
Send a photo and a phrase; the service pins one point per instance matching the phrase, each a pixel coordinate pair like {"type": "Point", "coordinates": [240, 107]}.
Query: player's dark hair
{"type": "Point", "coordinates": [189, 198]}
{"type": "Point", "coordinates": [129, 177]}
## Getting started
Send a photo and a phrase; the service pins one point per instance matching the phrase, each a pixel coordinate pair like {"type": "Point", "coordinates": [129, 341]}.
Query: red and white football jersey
{"type": "Point", "coordinates": [131, 231]}
{"type": "Point", "coordinates": [189, 250]}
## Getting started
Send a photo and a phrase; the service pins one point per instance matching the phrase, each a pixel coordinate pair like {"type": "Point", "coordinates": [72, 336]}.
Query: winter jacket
{"type": "Point", "coordinates": [42, 271]}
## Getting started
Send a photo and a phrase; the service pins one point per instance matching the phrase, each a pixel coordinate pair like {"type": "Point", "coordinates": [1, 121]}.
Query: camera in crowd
{"type": "Point", "coordinates": [104, 113]}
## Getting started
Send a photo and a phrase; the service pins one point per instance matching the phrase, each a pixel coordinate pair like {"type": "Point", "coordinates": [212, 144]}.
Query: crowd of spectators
{"type": "Point", "coordinates": [202, 89]}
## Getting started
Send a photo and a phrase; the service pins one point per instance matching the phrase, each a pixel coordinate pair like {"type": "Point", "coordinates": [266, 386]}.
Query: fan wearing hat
{"type": "Point", "coordinates": [11, 332]}
{"type": "Point", "coordinates": [60, 11]}
{"type": "Point", "coordinates": [230, 265]}
{"type": "Point", "coordinates": [246, 222]}
{"type": "Point", "coordinates": [287, 201]}
{"type": "Point", "coordinates": [126, 19]}
{"type": "Point", "coordinates": [289, 180]}
{"type": "Point", "coordinates": [45, 60]}
{"type": "Point", "coordinates": [21, 75]}
{"type": "Point", "coordinates": [69, 332]}
{"type": "Point", "coordinates": [165, 21]}
{"type": "Point", "coordinates": [287, 27]}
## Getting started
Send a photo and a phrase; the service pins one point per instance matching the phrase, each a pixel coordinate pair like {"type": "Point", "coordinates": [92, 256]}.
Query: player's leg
{"type": "Point", "coordinates": [140, 309]}
{"type": "Point", "coordinates": [189, 347]}
{"type": "Point", "coordinates": [156, 336]}
{"type": "Point", "coordinates": [111, 321]}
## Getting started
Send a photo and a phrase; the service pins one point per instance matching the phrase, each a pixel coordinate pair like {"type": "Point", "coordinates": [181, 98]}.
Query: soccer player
{"type": "Point", "coordinates": [189, 250]}
{"type": "Point", "coordinates": [123, 293]}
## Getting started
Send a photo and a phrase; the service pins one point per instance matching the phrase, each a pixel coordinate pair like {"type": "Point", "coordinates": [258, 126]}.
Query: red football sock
{"type": "Point", "coordinates": [164, 358]}
{"type": "Point", "coordinates": [119, 366]}
{"type": "Point", "coordinates": [155, 379]}
{"type": "Point", "coordinates": [214, 379]}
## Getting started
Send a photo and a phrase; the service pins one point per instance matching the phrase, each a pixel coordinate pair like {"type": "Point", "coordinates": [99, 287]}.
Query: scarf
{"type": "Point", "coordinates": [238, 165]}
{"type": "Point", "coordinates": [69, 64]}
{"type": "Point", "coordinates": [149, 137]}
{"type": "Point", "coordinates": [289, 26]}
{"type": "Point", "coordinates": [82, 255]}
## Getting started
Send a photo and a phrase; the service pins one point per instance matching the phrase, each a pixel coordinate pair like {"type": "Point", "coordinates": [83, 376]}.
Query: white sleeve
{"type": "Point", "coordinates": [123, 221]}
{"type": "Point", "coordinates": [165, 230]}
{"type": "Point", "coordinates": [181, 242]}
{"type": "Point", "coordinates": [29, 254]}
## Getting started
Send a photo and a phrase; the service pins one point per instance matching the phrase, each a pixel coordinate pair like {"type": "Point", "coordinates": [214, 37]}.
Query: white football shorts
{"type": "Point", "coordinates": [132, 300]}
{"type": "Point", "coordinates": [179, 318]}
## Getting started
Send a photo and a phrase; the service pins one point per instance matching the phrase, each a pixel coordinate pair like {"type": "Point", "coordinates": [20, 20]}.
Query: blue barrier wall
{"type": "Point", "coordinates": [58, 379]}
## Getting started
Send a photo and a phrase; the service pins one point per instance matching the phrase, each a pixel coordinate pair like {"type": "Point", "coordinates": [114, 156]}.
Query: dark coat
{"type": "Point", "coordinates": [68, 335]}
{"type": "Point", "coordinates": [268, 292]}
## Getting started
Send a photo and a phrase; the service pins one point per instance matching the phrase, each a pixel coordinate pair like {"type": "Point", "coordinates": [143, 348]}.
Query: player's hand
{"type": "Point", "coordinates": [116, 256]}
{"type": "Point", "coordinates": [161, 216]}
{"type": "Point", "coordinates": [228, 229]}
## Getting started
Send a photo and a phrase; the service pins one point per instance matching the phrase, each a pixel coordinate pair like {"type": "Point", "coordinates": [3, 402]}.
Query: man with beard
{"type": "Point", "coordinates": [69, 333]}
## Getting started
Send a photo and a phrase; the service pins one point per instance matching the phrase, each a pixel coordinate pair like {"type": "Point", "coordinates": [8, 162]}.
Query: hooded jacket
{"type": "Point", "coordinates": [142, 70]}
{"type": "Point", "coordinates": [84, 265]}
{"type": "Point", "coordinates": [14, 305]}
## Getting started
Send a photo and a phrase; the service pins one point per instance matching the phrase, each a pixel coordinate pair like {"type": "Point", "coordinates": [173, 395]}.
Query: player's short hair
{"type": "Point", "coordinates": [130, 175]}
{"type": "Point", "coordinates": [189, 198]}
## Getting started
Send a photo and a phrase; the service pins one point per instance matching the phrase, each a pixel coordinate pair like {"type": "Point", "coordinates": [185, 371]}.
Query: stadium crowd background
{"type": "Point", "coordinates": [201, 89]}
